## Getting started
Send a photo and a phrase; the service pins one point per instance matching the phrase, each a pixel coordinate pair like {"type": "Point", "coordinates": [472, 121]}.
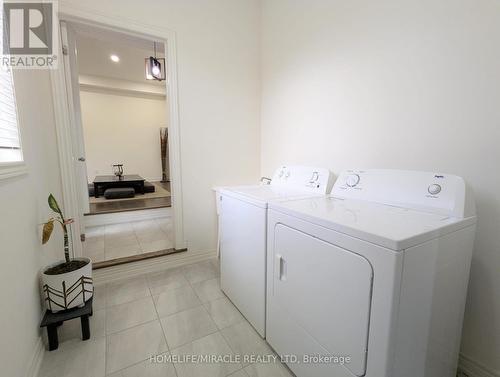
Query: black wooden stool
{"type": "Point", "coordinates": [53, 320]}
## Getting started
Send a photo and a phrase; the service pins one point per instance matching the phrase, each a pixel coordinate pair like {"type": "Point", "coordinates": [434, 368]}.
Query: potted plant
{"type": "Point", "coordinates": [66, 284]}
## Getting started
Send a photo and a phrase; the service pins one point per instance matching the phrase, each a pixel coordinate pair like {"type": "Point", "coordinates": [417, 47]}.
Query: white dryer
{"type": "Point", "coordinates": [242, 231]}
{"type": "Point", "coordinates": [371, 280]}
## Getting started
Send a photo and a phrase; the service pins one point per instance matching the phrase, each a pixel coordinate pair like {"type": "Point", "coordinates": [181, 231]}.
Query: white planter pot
{"type": "Point", "coordinates": [68, 290]}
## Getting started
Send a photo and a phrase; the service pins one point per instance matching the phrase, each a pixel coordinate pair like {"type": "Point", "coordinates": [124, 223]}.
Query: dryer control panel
{"type": "Point", "coordinates": [438, 193]}
{"type": "Point", "coordinates": [304, 178]}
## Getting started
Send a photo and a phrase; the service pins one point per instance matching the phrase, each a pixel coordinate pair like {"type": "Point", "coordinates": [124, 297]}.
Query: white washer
{"type": "Point", "coordinates": [242, 232]}
{"type": "Point", "coordinates": [377, 272]}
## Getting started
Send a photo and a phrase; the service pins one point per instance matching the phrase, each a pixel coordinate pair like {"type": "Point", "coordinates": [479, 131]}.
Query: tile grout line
{"type": "Point", "coordinates": [133, 327]}
{"type": "Point", "coordinates": [105, 324]}
{"type": "Point", "coordinates": [136, 325]}
{"type": "Point", "coordinates": [126, 302]}
{"type": "Point", "coordinates": [159, 321]}
{"type": "Point", "coordinates": [135, 232]}
{"type": "Point", "coordinates": [106, 307]}
{"type": "Point", "coordinates": [211, 317]}
{"type": "Point", "coordinates": [89, 254]}
{"type": "Point", "coordinates": [141, 250]}
{"type": "Point", "coordinates": [191, 286]}
{"type": "Point", "coordinates": [157, 228]}
{"type": "Point", "coordinates": [106, 339]}
{"type": "Point", "coordinates": [201, 304]}
{"type": "Point", "coordinates": [161, 325]}
{"type": "Point", "coordinates": [222, 335]}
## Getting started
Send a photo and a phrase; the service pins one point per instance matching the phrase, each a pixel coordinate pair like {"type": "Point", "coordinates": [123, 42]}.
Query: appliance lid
{"type": "Point", "coordinates": [261, 195]}
{"type": "Point", "coordinates": [288, 182]}
{"type": "Point", "coordinates": [392, 227]}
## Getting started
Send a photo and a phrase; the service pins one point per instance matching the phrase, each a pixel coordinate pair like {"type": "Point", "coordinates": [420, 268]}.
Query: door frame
{"type": "Point", "coordinates": [63, 119]}
{"type": "Point", "coordinates": [73, 94]}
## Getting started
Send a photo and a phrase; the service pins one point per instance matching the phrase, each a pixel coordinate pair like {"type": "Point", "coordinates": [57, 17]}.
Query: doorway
{"type": "Point", "coordinates": [124, 119]}
{"type": "Point", "coordinates": [123, 131]}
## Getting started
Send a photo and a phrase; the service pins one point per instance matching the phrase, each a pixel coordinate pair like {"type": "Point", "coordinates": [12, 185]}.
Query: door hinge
{"type": "Point", "coordinates": [82, 237]}
{"type": "Point", "coordinates": [65, 50]}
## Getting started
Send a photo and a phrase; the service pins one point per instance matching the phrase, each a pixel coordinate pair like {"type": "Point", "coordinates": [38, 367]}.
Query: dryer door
{"type": "Point", "coordinates": [319, 303]}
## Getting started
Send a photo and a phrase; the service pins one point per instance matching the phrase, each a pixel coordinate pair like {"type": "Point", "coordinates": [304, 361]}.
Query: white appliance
{"type": "Point", "coordinates": [242, 230]}
{"type": "Point", "coordinates": [376, 272]}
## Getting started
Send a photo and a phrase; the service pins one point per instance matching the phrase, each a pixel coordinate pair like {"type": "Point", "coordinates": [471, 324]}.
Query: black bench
{"type": "Point", "coordinates": [119, 193]}
{"type": "Point", "coordinates": [91, 190]}
{"type": "Point", "coordinates": [149, 187]}
{"type": "Point", "coordinates": [53, 320]}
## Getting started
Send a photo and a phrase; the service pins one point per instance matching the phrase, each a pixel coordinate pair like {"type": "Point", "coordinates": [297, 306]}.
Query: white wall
{"type": "Point", "coordinates": [394, 84]}
{"type": "Point", "coordinates": [23, 203]}
{"type": "Point", "coordinates": [120, 128]}
{"type": "Point", "coordinates": [219, 96]}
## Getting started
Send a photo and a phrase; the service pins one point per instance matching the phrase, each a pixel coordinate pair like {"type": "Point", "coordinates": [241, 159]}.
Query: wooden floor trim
{"type": "Point", "coordinates": [138, 268]}
{"type": "Point", "coordinates": [124, 210]}
{"type": "Point", "coordinates": [135, 258]}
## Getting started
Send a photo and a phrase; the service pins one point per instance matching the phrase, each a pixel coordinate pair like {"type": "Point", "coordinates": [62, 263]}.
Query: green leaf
{"type": "Point", "coordinates": [48, 227]}
{"type": "Point", "coordinates": [53, 204]}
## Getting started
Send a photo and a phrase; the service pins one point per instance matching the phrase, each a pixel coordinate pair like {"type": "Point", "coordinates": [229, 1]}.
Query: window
{"type": "Point", "coordinates": [10, 146]}
{"type": "Point", "coordinates": [11, 157]}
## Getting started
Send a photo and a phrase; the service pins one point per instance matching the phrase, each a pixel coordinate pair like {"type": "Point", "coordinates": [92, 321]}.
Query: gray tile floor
{"type": "Point", "coordinates": [127, 239]}
{"type": "Point", "coordinates": [176, 313]}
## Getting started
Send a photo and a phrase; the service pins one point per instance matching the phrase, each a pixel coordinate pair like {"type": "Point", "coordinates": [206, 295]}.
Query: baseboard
{"type": "Point", "coordinates": [124, 217]}
{"type": "Point", "coordinates": [473, 368]}
{"type": "Point", "coordinates": [109, 274]}
{"type": "Point", "coordinates": [36, 360]}
{"type": "Point", "coordinates": [154, 179]}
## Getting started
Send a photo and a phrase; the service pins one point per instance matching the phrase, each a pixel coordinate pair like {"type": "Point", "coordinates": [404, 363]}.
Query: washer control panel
{"type": "Point", "coordinates": [304, 178]}
{"type": "Point", "coordinates": [428, 191]}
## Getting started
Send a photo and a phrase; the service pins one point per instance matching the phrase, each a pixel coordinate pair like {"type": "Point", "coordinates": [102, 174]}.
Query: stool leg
{"type": "Point", "coordinates": [85, 327]}
{"type": "Point", "coordinates": [52, 335]}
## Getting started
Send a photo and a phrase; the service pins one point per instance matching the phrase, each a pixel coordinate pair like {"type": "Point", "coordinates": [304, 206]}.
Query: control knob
{"type": "Point", "coordinates": [352, 180]}
{"type": "Point", "coordinates": [434, 189]}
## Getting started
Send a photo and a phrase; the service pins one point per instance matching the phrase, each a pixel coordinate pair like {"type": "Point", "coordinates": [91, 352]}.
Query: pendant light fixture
{"type": "Point", "coordinates": [155, 67]}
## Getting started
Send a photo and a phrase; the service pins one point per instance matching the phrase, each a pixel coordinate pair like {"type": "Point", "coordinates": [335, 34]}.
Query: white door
{"type": "Point", "coordinates": [73, 92]}
{"type": "Point", "coordinates": [243, 258]}
{"type": "Point", "coordinates": [319, 303]}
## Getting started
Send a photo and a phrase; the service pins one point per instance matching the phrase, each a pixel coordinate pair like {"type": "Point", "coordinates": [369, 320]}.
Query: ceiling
{"type": "Point", "coordinates": [95, 46]}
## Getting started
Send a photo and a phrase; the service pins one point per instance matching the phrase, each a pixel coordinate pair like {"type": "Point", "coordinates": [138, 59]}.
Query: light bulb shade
{"type": "Point", "coordinates": [155, 68]}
